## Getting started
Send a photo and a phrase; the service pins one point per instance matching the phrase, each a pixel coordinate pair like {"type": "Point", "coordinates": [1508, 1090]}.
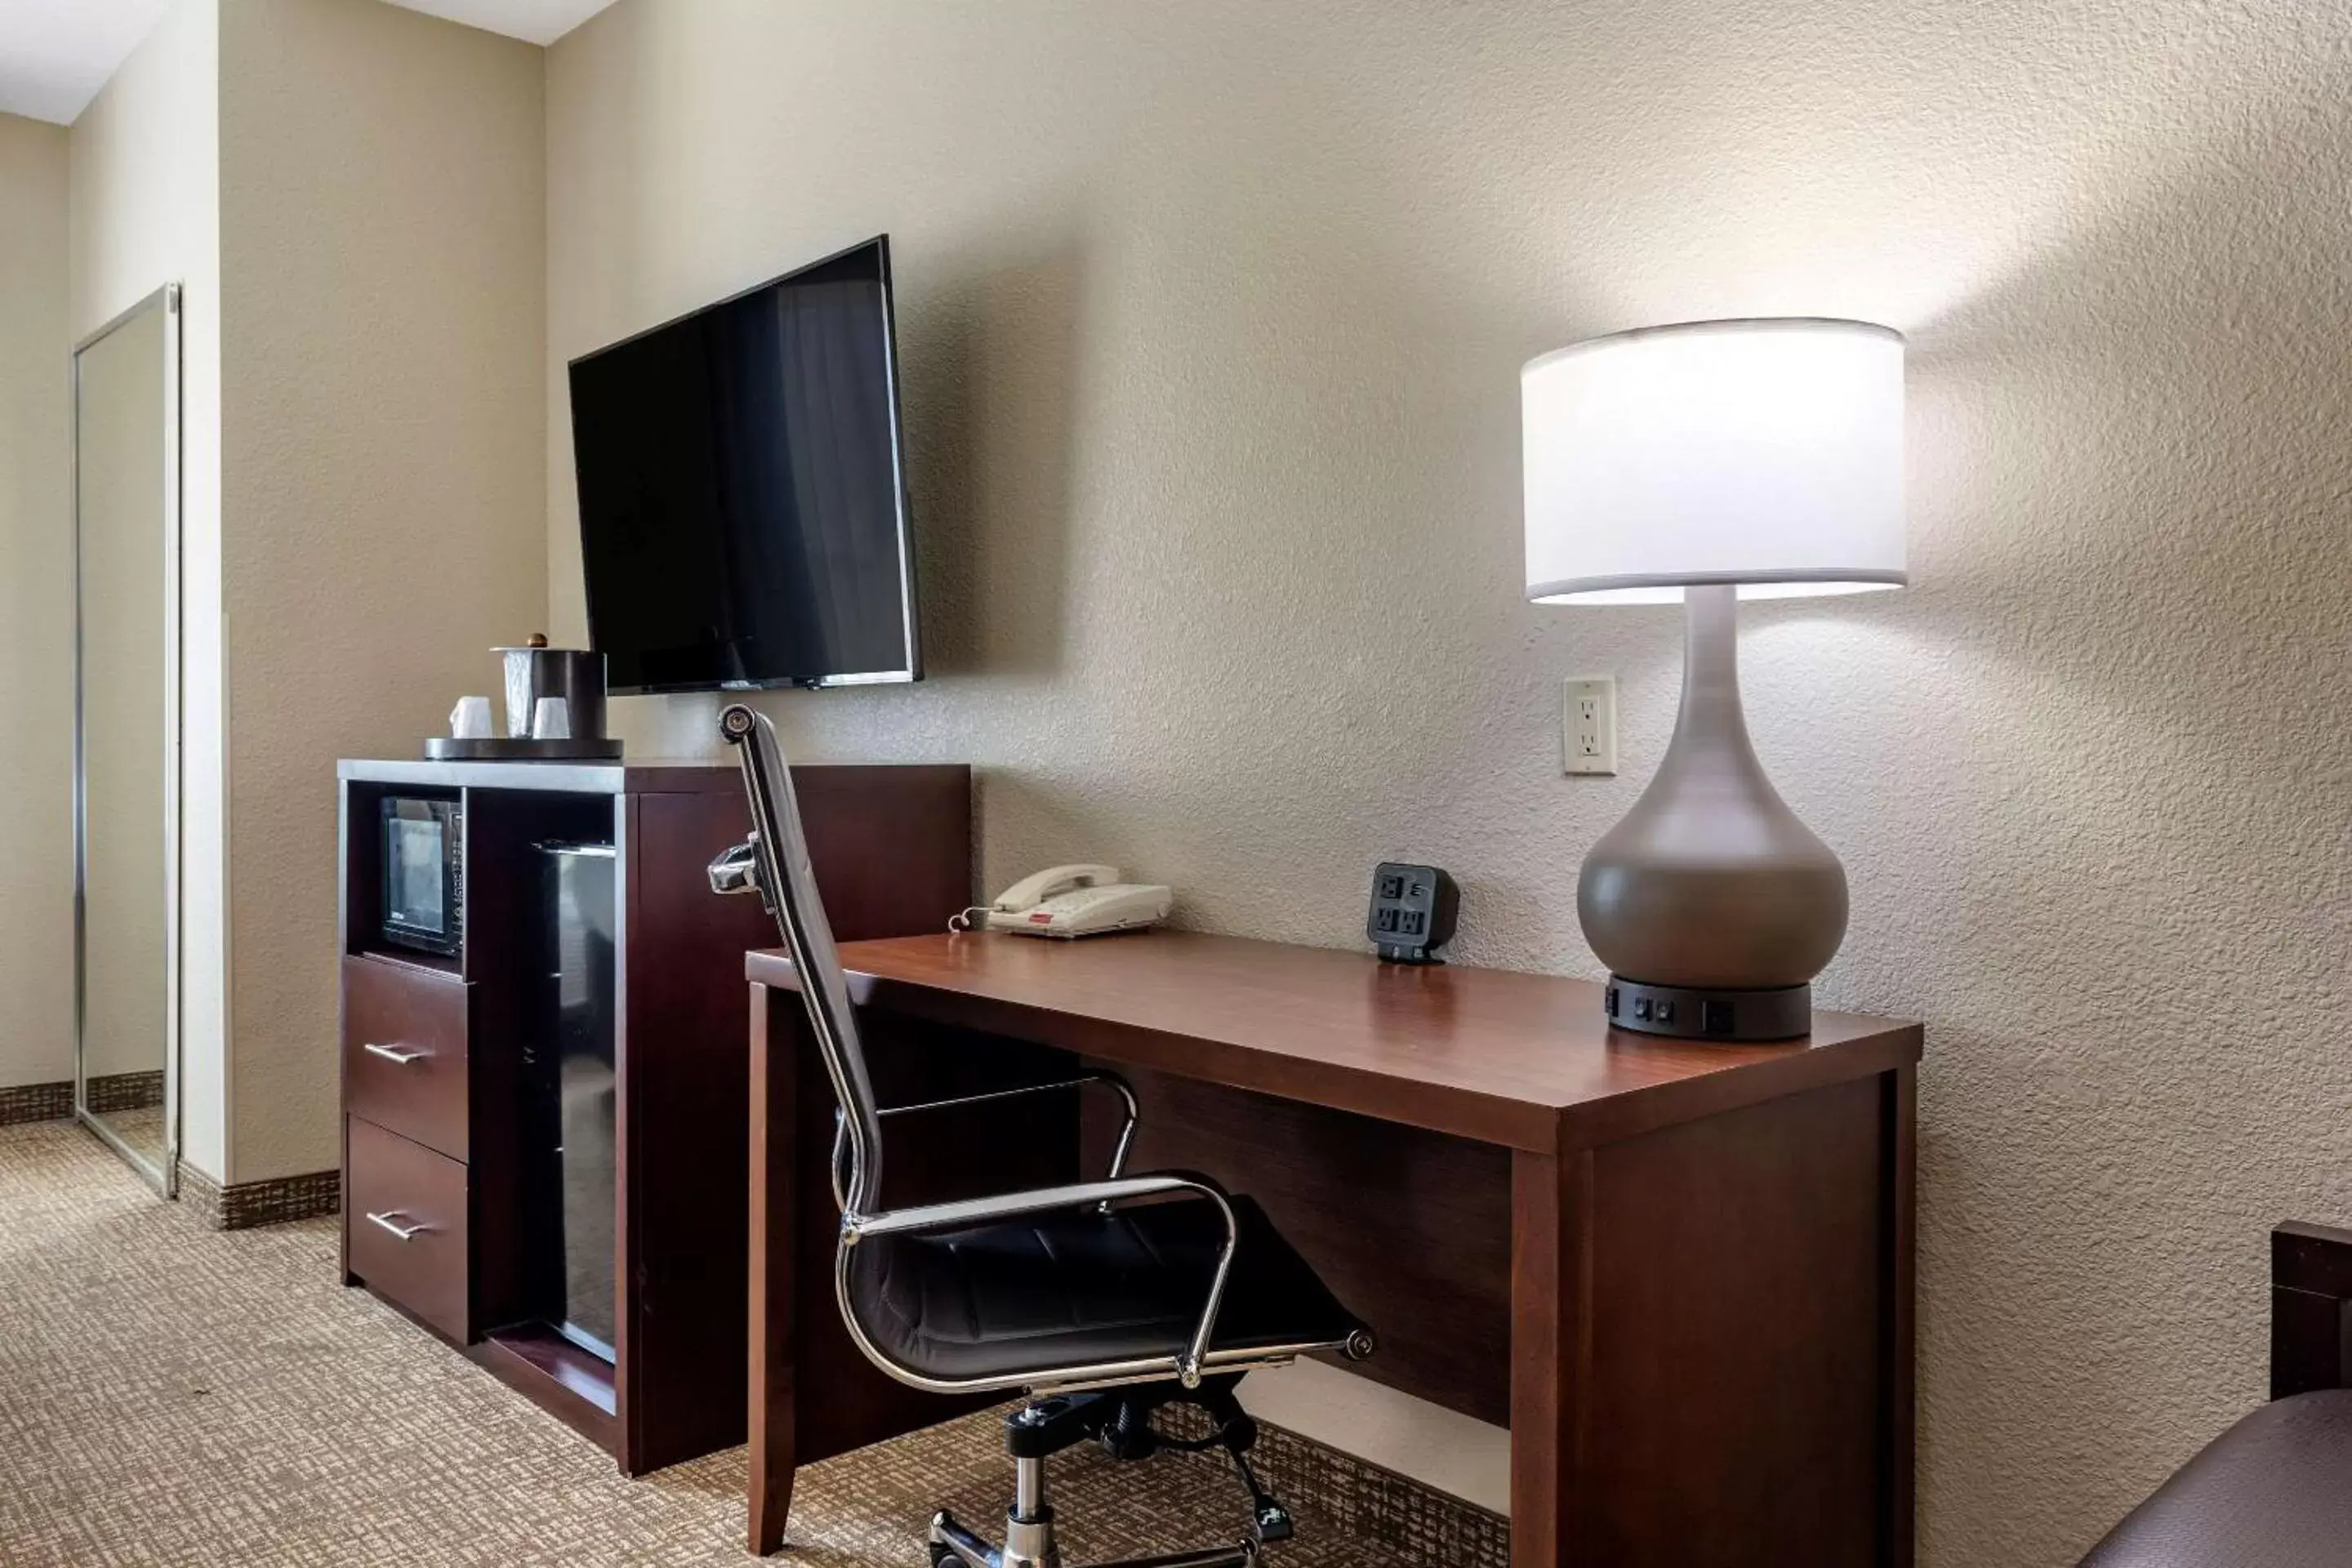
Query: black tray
{"type": "Point", "coordinates": [447, 749]}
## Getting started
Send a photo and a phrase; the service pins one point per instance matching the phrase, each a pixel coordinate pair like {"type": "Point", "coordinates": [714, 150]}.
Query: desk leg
{"type": "Point", "coordinates": [774, 1336]}
{"type": "Point", "coordinates": [1901, 1111]}
{"type": "Point", "coordinates": [1550, 1276]}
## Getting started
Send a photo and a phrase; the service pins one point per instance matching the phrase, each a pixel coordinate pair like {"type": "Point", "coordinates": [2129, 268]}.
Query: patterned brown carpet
{"type": "Point", "coordinates": [205, 1399]}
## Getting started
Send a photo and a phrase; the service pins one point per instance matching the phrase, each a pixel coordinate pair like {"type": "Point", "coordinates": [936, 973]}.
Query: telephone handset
{"type": "Point", "coordinates": [1068, 901]}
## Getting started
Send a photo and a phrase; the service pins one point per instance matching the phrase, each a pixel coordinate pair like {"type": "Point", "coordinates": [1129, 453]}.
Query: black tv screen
{"type": "Point", "coordinates": [742, 514]}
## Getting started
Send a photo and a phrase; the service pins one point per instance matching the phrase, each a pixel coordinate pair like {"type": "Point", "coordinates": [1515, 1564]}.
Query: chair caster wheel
{"type": "Point", "coordinates": [943, 1529]}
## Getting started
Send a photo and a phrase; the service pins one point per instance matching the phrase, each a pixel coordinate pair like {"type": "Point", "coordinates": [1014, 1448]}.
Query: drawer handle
{"type": "Point", "coordinates": [390, 1220]}
{"type": "Point", "coordinates": [396, 1055]}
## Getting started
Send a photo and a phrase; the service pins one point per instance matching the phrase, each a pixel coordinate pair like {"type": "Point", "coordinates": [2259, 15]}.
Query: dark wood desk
{"type": "Point", "coordinates": [1682, 1273]}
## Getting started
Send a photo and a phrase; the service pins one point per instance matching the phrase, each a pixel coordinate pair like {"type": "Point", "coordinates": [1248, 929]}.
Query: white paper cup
{"type": "Point", "coordinates": [551, 719]}
{"type": "Point", "coordinates": [470, 719]}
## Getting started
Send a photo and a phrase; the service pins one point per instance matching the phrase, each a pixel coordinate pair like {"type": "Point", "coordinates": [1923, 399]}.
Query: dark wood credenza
{"type": "Point", "coordinates": [435, 1131]}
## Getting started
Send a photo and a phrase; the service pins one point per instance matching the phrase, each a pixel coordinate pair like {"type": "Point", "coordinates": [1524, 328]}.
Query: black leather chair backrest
{"type": "Point", "coordinates": [788, 884]}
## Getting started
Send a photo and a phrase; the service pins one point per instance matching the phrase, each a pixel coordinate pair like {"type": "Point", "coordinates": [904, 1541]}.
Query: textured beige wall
{"type": "Point", "coordinates": [145, 211]}
{"type": "Point", "coordinates": [36, 610]}
{"type": "Point", "coordinates": [1211, 317]}
{"type": "Point", "coordinates": [382, 218]}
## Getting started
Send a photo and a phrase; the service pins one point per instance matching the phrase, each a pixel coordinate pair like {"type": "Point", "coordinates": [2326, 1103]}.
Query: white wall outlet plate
{"type": "Point", "coordinates": [1588, 725]}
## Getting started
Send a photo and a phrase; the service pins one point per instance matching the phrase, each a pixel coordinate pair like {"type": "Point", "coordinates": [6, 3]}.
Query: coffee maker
{"type": "Point", "coordinates": [572, 675]}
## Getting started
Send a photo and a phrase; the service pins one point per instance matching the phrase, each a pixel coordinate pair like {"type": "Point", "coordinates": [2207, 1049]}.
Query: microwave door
{"type": "Point", "coordinates": [414, 885]}
{"type": "Point", "coordinates": [420, 875]}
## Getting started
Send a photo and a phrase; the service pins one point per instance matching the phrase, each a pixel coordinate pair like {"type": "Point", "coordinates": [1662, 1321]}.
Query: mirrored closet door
{"type": "Point", "coordinates": [127, 733]}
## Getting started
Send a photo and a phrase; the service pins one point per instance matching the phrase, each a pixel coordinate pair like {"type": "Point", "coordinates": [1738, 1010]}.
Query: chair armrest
{"type": "Point", "coordinates": [2310, 1308]}
{"type": "Point", "coordinates": [1110, 1080]}
{"type": "Point", "coordinates": [855, 1228]}
{"type": "Point", "coordinates": [1118, 1153]}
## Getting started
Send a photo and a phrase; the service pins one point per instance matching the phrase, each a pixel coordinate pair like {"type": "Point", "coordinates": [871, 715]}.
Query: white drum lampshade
{"type": "Point", "coordinates": [1701, 462]}
{"type": "Point", "coordinates": [1765, 454]}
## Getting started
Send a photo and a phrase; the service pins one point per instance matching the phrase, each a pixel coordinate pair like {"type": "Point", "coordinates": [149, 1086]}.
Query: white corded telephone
{"type": "Point", "coordinates": [1071, 900]}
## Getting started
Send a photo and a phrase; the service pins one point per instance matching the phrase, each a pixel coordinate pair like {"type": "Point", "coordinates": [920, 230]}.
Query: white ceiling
{"type": "Point", "coordinates": [534, 21]}
{"type": "Point", "coordinates": [56, 54]}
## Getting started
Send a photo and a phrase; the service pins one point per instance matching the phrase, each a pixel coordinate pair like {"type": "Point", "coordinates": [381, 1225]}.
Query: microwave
{"type": "Point", "coordinates": [424, 874]}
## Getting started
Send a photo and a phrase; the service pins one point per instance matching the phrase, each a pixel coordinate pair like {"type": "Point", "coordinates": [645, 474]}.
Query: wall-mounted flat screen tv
{"type": "Point", "coordinates": [743, 514]}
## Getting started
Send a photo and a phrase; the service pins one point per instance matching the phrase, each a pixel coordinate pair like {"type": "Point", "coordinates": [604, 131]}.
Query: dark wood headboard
{"type": "Point", "coordinates": [2311, 1308]}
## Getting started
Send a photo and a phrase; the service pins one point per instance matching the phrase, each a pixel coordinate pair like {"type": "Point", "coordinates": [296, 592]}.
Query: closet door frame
{"type": "Point", "coordinates": [164, 1177]}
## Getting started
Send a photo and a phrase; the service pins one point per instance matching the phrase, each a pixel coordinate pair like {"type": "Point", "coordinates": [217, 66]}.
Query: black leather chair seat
{"type": "Point", "coordinates": [2273, 1491]}
{"type": "Point", "coordinates": [1060, 1289]}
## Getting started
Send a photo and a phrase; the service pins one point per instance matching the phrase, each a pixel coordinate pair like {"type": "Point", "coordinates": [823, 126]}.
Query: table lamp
{"type": "Point", "coordinates": [1705, 462]}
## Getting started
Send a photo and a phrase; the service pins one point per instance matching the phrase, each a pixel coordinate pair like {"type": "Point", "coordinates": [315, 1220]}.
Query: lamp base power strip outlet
{"type": "Point", "coordinates": [1781, 1013]}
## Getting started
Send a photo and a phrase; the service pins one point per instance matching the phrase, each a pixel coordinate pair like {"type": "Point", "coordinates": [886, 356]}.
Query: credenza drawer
{"type": "Point", "coordinates": [405, 1223]}
{"type": "Point", "coordinates": [404, 1048]}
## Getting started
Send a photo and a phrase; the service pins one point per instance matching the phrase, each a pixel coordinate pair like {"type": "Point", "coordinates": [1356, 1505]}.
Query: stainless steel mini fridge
{"type": "Point", "coordinates": [579, 900]}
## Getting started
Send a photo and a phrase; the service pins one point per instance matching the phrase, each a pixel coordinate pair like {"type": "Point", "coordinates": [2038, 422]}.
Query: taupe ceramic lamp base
{"type": "Point", "coordinates": [1691, 462]}
{"type": "Point", "coordinates": [1713, 906]}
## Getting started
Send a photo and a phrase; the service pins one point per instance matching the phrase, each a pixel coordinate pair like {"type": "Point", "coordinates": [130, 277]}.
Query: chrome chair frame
{"type": "Point", "coordinates": [774, 863]}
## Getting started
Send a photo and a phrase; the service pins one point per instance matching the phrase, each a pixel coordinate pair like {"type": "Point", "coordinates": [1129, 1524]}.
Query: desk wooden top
{"type": "Point", "coordinates": [1525, 1061]}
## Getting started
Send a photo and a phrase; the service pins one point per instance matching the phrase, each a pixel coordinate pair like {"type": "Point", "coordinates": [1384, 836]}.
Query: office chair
{"type": "Point", "coordinates": [1095, 1307]}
